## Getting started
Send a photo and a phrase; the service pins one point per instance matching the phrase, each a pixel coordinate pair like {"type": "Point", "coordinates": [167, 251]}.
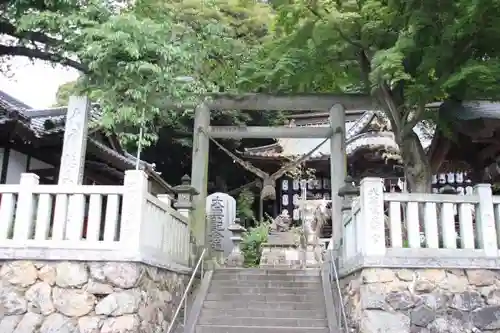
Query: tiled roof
{"type": "Point", "coordinates": [53, 120]}
{"type": "Point", "coordinates": [474, 110]}
{"type": "Point", "coordinates": [43, 122]}
{"type": "Point", "coordinates": [10, 103]}
{"type": "Point", "coordinates": [374, 140]}
{"type": "Point", "coordinates": [355, 140]}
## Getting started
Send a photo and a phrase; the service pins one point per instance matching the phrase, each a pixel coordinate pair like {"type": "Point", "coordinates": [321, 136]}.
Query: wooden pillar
{"type": "Point", "coordinates": [199, 175]}
{"type": "Point", "coordinates": [338, 168]}
{"type": "Point", "coordinates": [261, 209]}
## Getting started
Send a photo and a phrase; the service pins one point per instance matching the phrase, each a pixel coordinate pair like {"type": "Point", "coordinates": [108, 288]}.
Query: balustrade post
{"type": "Point", "coordinates": [134, 204]}
{"type": "Point", "coordinates": [236, 257]}
{"type": "Point", "coordinates": [25, 220]}
{"type": "Point", "coordinates": [347, 192]}
{"type": "Point", "coordinates": [372, 217]}
{"type": "Point", "coordinates": [485, 220]}
{"type": "Point", "coordinates": [167, 199]}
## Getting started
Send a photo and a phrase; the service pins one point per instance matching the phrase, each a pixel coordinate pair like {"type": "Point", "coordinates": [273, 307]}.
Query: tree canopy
{"type": "Point", "coordinates": [135, 57]}
{"type": "Point", "coordinates": [405, 53]}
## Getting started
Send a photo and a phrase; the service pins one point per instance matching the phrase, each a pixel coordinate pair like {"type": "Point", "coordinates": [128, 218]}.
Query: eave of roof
{"type": "Point", "coordinates": [370, 140]}
{"type": "Point", "coordinates": [272, 146]}
{"type": "Point", "coordinates": [131, 162]}
{"type": "Point", "coordinates": [287, 148]}
{"type": "Point", "coordinates": [8, 102]}
{"type": "Point", "coordinates": [295, 147]}
{"type": "Point", "coordinates": [36, 120]}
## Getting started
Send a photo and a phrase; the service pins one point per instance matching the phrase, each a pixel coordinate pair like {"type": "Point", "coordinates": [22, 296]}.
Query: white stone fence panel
{"type": "Point", "coordinates": [92, 222]}
{"type": "Point", "coordinates": [456, 225]}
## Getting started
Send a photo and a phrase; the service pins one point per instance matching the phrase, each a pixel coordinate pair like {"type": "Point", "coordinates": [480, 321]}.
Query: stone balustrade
{"type": "Point", "coordinates": [389, 229]}
{"type": "Point", "coordinates": [92, 222]}
{"type": "Point", "coordinates": [413, 262]}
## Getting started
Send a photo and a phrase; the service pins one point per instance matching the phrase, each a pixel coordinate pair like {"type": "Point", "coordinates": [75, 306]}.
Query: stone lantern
{"type": "Point", "coordinates": [348, 192]}
{"type": "Point", "coordinates": [185, 194]}
{"type": "Point", "coordinates": [236, 257]}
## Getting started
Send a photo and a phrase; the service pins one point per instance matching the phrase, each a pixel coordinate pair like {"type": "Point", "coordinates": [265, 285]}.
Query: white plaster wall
{"type": "Point", "coordinates": [37, 164]}
{"type": "Point", "coordinates": [17, 165]}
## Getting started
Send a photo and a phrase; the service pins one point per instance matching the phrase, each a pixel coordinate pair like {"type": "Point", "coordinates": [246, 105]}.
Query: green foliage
{"type": "Point", "coordinates": [228, 29]}
{"type": "Point", "coordinates": [251, 245]}
{"type": "Point", "coordinates": [135, 63]}
{"type": "Point", "coordinates": [64, 92]}
{"type": "Point", "coordinates": [299, 236]}
{"type": "Point", "coordinates": [430, 49]}
{"type": "Point", "coordinates": [132, 59]}
{"type": "Point", "coordinates": [134, 56]}
{"type": "Point", "coordinates": [244, 205]}
{"type": "Point", "coordinates": [495, 188]}
{"type": "Point", "coordinates": [131, 55]}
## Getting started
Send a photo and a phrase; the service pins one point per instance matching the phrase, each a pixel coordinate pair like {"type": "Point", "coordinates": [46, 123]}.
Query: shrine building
{"type": "Point", "coordinates": [460, 161]}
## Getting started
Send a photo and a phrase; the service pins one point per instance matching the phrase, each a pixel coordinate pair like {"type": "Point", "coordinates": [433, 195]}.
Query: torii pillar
{"type": "Point", "coordinates": [199, 175]}
{"type": "Point", "coordinates": [338, 169]}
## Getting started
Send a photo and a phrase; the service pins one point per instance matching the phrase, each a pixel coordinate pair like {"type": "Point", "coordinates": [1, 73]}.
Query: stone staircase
{"type": "Point", "coordinates": [264, 301]}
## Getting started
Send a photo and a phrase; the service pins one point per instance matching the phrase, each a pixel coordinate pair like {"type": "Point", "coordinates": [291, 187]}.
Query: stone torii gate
{"type": "Point", "coordinates": [342, 108]}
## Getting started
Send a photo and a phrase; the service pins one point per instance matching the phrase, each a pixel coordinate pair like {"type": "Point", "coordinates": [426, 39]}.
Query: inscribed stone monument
{"type": "Point", "coordinates": [221, 212]}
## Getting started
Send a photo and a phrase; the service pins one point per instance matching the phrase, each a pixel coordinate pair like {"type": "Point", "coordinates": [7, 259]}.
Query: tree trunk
{"type": "Point", "coordinates": [417, 168]}
{"type": "Point", "coordinates": [417, 171]}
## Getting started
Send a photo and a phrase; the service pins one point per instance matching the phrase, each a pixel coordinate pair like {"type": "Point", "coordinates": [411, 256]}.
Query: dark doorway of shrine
{"type": "Point", "coordinates": [269, 209]}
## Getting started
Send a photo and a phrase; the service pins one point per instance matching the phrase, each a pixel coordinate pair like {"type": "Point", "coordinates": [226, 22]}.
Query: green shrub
{"type": "Point", "coordinates": [244, 205]}
{"type": "Point", "coordinates": [251, 244]}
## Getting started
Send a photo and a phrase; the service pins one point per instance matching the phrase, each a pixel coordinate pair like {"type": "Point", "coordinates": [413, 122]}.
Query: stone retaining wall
{"type": "Point", "coordinates": [90, 297]}
{"type": "Point", "coordinates": [422, 300]}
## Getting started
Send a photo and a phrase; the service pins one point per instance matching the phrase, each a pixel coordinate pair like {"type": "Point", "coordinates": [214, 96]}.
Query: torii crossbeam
{"type": "Point", "coordinates": [341, 108]}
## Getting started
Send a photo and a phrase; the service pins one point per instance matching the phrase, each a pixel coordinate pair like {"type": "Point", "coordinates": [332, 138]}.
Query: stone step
{"type": "Point", "coordinates": [267, 284]}
{"type": "Point", "coordinates": [246, 297]}
{"type": "Point", "coordinates": [179, 328]}
{"type": "Point", "coordinates": [239, 304]}
{"type": "Point", "coordinates": [249, 297]}
{"type": "Point", "coordinates": [275, 265]}
{"type": "Point", "coordinates": [261, 329]}
{"type": "Point", "coordinates": [266, 313]}
{"type": "Point", "coordinates": [264, 277]}
{"type": "Point", "coordinates": [268, 271]}
{"type": "Point", "coordinates": [271, 322]}
{"type": "Point", "coordinates": [264, 290]}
